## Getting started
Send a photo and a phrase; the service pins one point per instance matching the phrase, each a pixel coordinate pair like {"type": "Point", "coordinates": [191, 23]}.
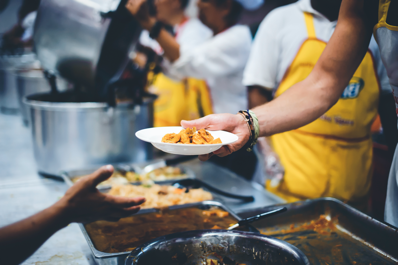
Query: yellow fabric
{"type": "Point", "coordinates": [331, 156]}
{"type": "Point", "coordinates": [309, 22]}
{"type": "Point", "coordinates": [178, 101]}
{"type": "Point", "coordinates": [383, 11]}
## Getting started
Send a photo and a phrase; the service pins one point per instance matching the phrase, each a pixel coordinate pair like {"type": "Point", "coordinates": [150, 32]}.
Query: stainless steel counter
{"type": "Point", "coordinates": [23, 192]}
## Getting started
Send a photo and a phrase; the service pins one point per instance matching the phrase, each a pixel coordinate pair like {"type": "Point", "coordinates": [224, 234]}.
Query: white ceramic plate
{"type": "Point", "coordinates": [155, 135]}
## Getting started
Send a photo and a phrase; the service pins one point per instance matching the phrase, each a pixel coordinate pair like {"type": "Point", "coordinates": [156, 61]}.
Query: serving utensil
{"type": "Point", "coordinates": [252, 219]}
{"type": "Point", "coordinates": [196, 183]}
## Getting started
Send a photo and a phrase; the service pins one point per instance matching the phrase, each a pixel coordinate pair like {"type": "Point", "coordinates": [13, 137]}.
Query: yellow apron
{"type": "Point", "coordinates": [185, 100]}
{"type": "Point", "coordinates": [331, 156]}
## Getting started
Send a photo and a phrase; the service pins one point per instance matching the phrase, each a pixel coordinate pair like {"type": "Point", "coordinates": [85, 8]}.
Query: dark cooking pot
{"type": "Point", "coordinates": [194, 247]}
{"type": "Point", "coordinates": [86, 42]}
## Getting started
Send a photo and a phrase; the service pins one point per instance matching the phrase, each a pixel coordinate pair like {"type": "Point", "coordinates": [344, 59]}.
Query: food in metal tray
{"type": "Point", "coordinates": [130, 232]}
{"type": "Point", "coordinates": [191, 136]}
{"type": "Point", "coordinates": [160, 174]}
{"type": "Point", "coordinates": [161, 196]}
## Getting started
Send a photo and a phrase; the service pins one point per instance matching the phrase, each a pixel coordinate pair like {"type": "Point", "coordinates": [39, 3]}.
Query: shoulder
{"type": "Point", "coordinates": [241, 32]}
{"type": "Point", "coordinates": [283, 13]}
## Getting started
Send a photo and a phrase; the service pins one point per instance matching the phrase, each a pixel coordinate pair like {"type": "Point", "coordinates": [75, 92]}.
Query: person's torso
{"type": "Point", "coordinates": [334, 150]}
{"type": "Point", "coordinates": [228, 93]}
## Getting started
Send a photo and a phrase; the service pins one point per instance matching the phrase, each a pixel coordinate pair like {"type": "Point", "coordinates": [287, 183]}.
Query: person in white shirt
{"type": "Point", "coordinates": [220, 60]}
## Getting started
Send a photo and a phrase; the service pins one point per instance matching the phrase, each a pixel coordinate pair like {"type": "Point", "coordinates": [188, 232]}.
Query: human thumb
{"type": "Point", "coordinates": [102, 174]}
{"type": "Point", "coordinates": [199, 123]}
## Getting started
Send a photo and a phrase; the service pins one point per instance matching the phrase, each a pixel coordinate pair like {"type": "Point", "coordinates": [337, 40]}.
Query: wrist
{"type": "Point", "coordinates": [60, 212]}
{"type": "Point", "coordinates": [148, 24]}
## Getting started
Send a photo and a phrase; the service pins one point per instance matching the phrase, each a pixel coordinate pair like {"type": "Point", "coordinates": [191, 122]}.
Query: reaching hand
{"type": "Point", "coordinates": [226, 122]}
{"type": "Point", "coordinates": [139, 9]}
{"type": "Point", "coordinates": [84, 203]}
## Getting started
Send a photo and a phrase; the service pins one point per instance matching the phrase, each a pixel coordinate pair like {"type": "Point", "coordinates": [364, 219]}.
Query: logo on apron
{"type": "Point", "coordinates": [354, 87]}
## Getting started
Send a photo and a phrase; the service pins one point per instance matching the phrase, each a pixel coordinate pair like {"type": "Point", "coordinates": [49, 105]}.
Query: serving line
{"type": "Point", "coordinates": [68, 245]}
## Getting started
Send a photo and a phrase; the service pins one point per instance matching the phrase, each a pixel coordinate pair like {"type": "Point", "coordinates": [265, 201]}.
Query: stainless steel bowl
{"type": "Point", "coordinates": [72, 135]}
{"type": "Point", "coordinates": [31, 80]}
{"type": "Point", "coordinates": [8, 84]}
{"type": "Point", "coordinates": [194, 247]}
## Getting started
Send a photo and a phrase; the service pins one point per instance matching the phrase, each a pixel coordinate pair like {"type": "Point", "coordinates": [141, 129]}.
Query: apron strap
{"type": "Point", "coordinates": [309, 23]}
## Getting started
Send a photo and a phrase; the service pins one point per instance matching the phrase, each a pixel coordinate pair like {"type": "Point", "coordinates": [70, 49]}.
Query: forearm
{"type": "Point", "coordinates": [298, 106]}
{"type": "Point", "coordinates": [170, 46]}
{"type": "Point", "coordinates": [20, 240]}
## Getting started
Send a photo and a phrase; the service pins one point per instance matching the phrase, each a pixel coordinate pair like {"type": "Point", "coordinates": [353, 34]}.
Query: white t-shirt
{"type": "Point", "coordinates": [189, 34]}
{"type": "Point", "coordinates": [279, 38]}
{"type": "Point", "coordinates": [220, 61]}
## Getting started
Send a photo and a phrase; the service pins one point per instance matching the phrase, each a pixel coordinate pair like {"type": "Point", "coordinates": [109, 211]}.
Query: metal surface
{"type": "Point", "coordinates": [8, 83]}
{"type": "Point", "coordinates": [87, 42]}
{"type": "Point", "coordinates": [352, 238]}
{"type": "Point", "coordinates": [31, 80]}
{"type": "Point", "coordinates": [23, 192]}
{"type": "Point", "coordinates": [118, 258]}
{"type": "Point", "coordinates": [258, 217]}
{"type": "Point", "coordinates": [67, 176]}
{"type": "Point", "coordinates": [195, 247]}
{"type": "Point", "coordinates": [68, 136]}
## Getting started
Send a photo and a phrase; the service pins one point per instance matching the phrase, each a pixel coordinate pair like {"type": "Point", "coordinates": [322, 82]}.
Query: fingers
{"type": "Point", "coordinates": [125, 202]}
{"type": "Point", "coordinates": [205, 157]}
{"type": "Point", "coordinates": [223, 151]}
{"type": "Point", "coordinates": [102, 174]}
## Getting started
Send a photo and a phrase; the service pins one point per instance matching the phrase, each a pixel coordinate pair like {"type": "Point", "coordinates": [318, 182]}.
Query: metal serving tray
{"type": "Point", "coordinates": [355, 239]}
{"type": "Point", "coordinates": [104, 258]}
{"type": "Point", "coordinates": [67, 176]}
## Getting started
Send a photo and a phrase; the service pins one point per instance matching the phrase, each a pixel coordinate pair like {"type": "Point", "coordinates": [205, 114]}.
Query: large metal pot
{"type": "Point", "coordinates": [195, 247]}
{"type": "Point", "coordinates": [87, 42]}
{"type": "Point", "coordinates": [8, 84]}
{"type": "Point", "coordinates": [31, 80]}
{"type": "Point", "coordinates": [69, 135]}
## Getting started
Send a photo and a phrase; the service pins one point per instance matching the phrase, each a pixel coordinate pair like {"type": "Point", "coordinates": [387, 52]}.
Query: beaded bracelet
{"type": "Point", "coordinates": [252, 123]}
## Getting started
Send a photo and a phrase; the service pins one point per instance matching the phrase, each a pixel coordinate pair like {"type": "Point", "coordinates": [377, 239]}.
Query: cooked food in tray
{"type": "Point", "coordinates": [160, 174]}
{"type": "Point", "coordinates": [191, 136]}
{"type": "Point", "coordinates": [158, 196]}
{"type": "Point", "coordinates": [130, 232]}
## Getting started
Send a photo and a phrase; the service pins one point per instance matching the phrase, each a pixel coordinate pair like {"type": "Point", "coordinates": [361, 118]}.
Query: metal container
{"type": "Point", "coordinates": [8, 83]}
{"type": "Point", "coordinates": [72, 135]}
{"type": "Point", "coordinates": [350, 236]}
{"type": "Point", "coordinates": [87, 42]}
{"type": "Point", "coordinates": [195, 247]}
{"type": "Point", "coordinates": [68, 176]}
{"type": "Point", "coordinates": [103, 258]}
{"type": "Point", "coordinates": [31, 80]}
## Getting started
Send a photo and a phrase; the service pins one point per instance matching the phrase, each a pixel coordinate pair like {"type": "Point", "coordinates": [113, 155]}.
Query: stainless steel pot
{"type": "Point", "coordinates": [8, 84]}
{"type": "Point", "coordinates": [195, 247]}
{"type": "Point", "coordinates": [31, 80]}
{"type": "Point", "coordinates": [70, 135]}
{"type": "Point", "coordinates": [87, 42]}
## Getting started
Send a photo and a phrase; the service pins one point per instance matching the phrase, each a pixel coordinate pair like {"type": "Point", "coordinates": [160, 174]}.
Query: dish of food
{"type": "Point", "coordinates": [177, 140]}
{"type": "Point", "coordinates": [121, 178]}
{"type": "Point", "coordinates": [158, 196]}
{"type": "Point", "coordinates": [130, 232]}
{"type": "Point", "coordinates": [191, 136]}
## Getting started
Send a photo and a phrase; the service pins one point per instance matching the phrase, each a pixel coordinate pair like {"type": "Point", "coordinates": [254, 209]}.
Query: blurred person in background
{"type": "Point", "coordinates": [332, 156]}
{"type": "Point", "coordinates": [178, 99]}
{"type": "Point", "coordinates": [220, 60]}
{"type": "Point", "coordinates": [21, 34]}
{"type": "Point", "coordinates": [82, 203]}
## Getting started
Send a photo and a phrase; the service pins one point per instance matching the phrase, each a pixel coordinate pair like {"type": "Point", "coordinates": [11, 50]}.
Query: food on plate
{"type": "Point", "coordinates": [130, 232]}
{"type": "Point", "coordinates": [159, 174]}
{"type": "Point", "coordinates": [222, 261]}
{"type": "Point", "coordinates": [158, 196]}
{"type": "Point", "coordinates": [191, 136]}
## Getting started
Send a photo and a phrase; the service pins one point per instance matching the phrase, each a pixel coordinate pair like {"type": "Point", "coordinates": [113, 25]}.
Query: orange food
{"type": "Point", "coordinates": [191, 136]}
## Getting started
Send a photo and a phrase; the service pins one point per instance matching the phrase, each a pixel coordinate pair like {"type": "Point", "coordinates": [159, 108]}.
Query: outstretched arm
{"type": "Point", "coordinates": [139, 9]}
{"type": "Point", "coordinates": [309, 99]}
{"type": "Point", "coordinates": [81, 203]}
